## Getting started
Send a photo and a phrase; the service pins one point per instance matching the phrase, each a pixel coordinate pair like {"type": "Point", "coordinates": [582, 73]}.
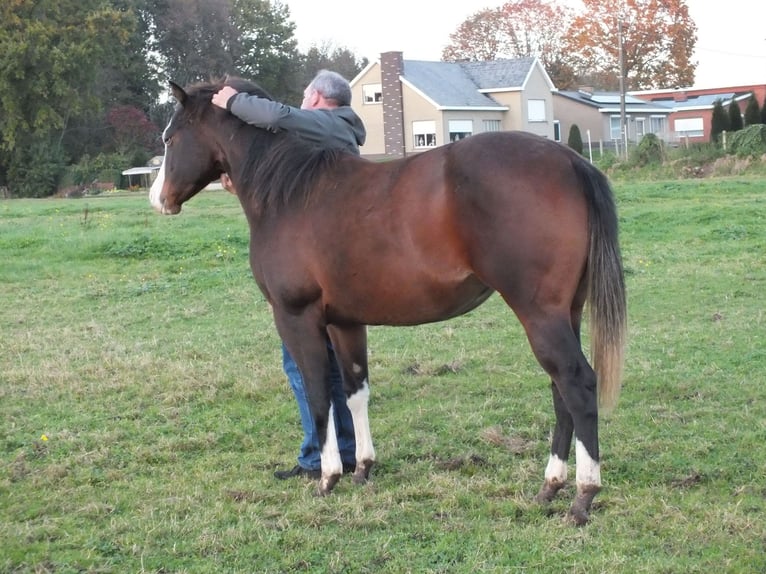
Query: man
{"type": "Point", "coordinates": [325, 118]}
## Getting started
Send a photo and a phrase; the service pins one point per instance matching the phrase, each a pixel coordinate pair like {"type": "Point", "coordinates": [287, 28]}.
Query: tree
{"type": "Point", "coordinates": [52, 53]}
{"type": "Point", "coordinates": [752, 111]}
{"type": "Point", "coordinates": [266, 50]}
{"type": "Point", "coordinates": [132, 129]}
{"type": "Point", "coordinates": [518, 28]}
{"type": "Point", "coordinates": [575, 139]}
{"type": "Point", "coordinates": [735, 116]}
{"type": "Point", "coordinates": [719, 121]}
{"type": "Point", "coordinates": [763, 111]}
{"type": "Point", "coordinates": [326, 56]}
{"type": "Point", "coordinates": [658, 38]}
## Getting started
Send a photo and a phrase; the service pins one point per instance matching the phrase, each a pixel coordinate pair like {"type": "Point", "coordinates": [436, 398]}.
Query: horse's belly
{"type": "Point", "coordinates": [407, 303]}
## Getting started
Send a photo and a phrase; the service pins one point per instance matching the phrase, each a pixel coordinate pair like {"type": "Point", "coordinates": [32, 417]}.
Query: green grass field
{"type": "Point", "coordinates": [143, 408]}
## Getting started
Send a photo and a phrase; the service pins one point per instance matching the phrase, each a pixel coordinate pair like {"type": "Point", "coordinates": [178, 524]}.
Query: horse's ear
{"type": "Point", "coordinates": [178, 93]}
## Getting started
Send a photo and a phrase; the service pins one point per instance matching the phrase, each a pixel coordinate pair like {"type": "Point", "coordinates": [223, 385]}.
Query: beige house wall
{"type": "Point", "coordinates": [370, 114]}
{"type": "Point", "coordinates": [569, 112]}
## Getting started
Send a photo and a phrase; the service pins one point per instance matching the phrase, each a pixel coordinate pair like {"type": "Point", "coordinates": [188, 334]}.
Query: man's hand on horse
{"type": "Point", "coordinates": [221, 97]}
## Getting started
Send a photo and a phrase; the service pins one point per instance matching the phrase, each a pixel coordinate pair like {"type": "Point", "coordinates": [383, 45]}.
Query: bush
{"type": "Point", "coordinates": [650, 150]}
{"type": "Point", "coordinates": [575, 139]}
{"type": "Point", "coordinates": [749, 142]}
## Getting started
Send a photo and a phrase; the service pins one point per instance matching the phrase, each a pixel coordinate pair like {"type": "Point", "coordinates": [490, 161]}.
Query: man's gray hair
{"type": "Point", "coordinates": [332, 86]}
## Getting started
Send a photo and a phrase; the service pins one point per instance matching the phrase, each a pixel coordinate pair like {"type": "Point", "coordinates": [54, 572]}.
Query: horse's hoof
{"type": "Point", "coordinates": [548, 491]}
{"type": "Point", "coordinates": [579, 516]}
{"type": "Point", "coordinates": [327, 483]}
{"type": "Point", "coordinates": [362, 472]}
{"type": "Point", "coordinates": [582, 502]}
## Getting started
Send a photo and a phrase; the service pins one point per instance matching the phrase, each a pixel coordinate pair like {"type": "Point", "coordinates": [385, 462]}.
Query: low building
{"type": "Point", "coordinates": [692, 108]}
{"type": "Point", "coordinates": [598, 117]}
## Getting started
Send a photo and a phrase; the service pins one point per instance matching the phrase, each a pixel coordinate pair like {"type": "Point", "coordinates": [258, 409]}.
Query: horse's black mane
{"type": "Point", "coordinates": [281, 168]}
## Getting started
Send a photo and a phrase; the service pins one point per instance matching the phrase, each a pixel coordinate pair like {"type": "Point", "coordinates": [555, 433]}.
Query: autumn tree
{"type": "Point", "coordinates": [752, 111]}
{"type": "Point", "coordinates": [518, 28]}
{"type": "Point", "coordinates": [658, 39]}
{"type": "Point", "coordinates": [735, 116]}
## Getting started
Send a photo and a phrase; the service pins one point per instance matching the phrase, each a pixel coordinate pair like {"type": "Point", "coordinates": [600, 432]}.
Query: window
{"type": "Point", "coordinates": [657, 125]}
{"type": "Point", "coordinates": [536, 111]}
{"type": "Point", "coordinates": [459, 129]}
{"type": "Point", "coordinates": [424, 133]}
{"type": "Point", "coordinates": [690, 127]}
{"type": "Point", "coordinates": [556, 131]}
{"type": "Point", "coordinates": [372, 93]}
{"type": "Point", "coordinates": [491, 125]}
{"type": "Point", "coordinates": [615, 130]}
{"type": "Point", "coordinates": [640, 128]}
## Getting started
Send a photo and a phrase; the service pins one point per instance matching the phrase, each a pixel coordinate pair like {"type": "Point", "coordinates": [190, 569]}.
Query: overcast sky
{"type": "Point", "coordinates": [729, 51]}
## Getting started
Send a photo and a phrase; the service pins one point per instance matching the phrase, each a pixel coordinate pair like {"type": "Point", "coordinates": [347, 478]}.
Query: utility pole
{"type": "Point", "coordinates": [623, 122]}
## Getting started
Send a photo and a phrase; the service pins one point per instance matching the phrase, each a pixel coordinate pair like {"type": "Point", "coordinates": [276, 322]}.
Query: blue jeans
{"type": "Point", "coordinates": [344, 425]}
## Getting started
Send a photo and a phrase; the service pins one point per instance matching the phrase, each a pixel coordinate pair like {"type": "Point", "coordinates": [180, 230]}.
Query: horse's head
{"type": "Point", "coordinates": [194, 155]}
{"type": "Point", "coordinates": [190, 161]}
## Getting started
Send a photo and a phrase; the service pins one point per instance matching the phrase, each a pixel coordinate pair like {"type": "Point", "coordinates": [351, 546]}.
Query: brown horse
{"type": "Point", "coordinates": [338, 242]}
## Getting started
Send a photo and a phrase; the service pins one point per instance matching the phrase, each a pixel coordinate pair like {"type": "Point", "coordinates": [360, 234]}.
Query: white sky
{"type": "Point", "coordinates": [731, 36]}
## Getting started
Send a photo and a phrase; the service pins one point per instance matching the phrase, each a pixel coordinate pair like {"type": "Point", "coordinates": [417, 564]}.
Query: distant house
{"type": "Point", "coordinates": [143, 176]}
{"type": "Point", "coordinates": [598, 115]}
{"type": "Point", "coordinates": [692, 109]}
{"type": "Point", "coordinates": [409, 106]}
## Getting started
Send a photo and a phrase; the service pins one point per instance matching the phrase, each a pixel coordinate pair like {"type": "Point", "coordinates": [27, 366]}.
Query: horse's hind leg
{"type": "Point", "coordinates": [558, 350]}
{"type": "Point", "coordinates": [350, 344]}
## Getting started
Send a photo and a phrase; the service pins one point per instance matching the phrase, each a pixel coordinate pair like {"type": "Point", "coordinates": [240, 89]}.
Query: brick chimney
{"type": "Point", "coordinates": [391, 67]}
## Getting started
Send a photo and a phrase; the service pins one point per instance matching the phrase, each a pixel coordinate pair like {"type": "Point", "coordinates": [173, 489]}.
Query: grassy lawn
{"type": "Point", "coordinates": [143, 408]}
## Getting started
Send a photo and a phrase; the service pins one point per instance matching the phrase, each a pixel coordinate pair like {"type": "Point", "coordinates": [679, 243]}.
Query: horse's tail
{"type": "Point", "coordinates": [606, 286]}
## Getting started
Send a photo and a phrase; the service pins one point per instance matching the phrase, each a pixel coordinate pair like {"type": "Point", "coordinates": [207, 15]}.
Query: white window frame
{"type": "Point", "coordinates": [536, 111]}
{"type": "Point", "coordinates": [424, 134]}
{"type": "Point", "coordinates": [657, 125]}
{"type": "Point", "coordinates": [615, 128]}
{"type": "Point", "coordinates": [459, 129]}
{"type": "Point", "coordinates": [372, 94]}
{"type": "Point", "coordinates": [689, 127]}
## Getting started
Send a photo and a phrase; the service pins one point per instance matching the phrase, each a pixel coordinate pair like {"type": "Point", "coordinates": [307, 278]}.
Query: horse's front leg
{"type": "Point", "coordinates": [350, 344]}
{"type": "Point", "coordinates": [306, 340]}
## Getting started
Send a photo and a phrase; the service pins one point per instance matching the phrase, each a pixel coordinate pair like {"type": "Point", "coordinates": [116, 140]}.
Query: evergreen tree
{"type": "Point", "coordinates": [719, 122]}
{"type": "Point", "coordinates": [735, 116]}
{"type": "Point", "coordinates": [752, 111]}
{"type": "Point", "coordinates": [575, 139]}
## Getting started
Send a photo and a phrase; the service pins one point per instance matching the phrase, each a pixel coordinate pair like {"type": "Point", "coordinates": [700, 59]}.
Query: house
{"type": "Point", "coordinates": [692, 109]}
{"type": "Point", "coordinates": [409, 106]}
{"type": "Point", "coordinates": [144, 175]}
{"type": "Point", "coordinates": [598, 116]}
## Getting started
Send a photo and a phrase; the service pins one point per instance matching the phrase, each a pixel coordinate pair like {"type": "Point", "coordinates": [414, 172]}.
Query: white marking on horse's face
{"type": "Point", "coordinates": [588, 470]}
{"type": "Point", "coordinates": [556, 471]}
{"type": "Point", "coordinates": [357, 404]}
{"type": "Point", "coordinates": [156, 189]}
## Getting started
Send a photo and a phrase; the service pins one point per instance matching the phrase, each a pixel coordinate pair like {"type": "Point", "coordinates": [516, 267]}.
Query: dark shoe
{"type": "Point", "coordinates": [297, 470]}
{"type": "Point", "coordinates": [349, 468]}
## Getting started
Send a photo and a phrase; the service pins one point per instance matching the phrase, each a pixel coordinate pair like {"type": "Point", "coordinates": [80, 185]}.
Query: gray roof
{"type": "Point", "coordinates": [700, 101]}
{"type": "Point", "coordinates": [451, 84]}
{"type": "Point", "coordinates": [610, 102]}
